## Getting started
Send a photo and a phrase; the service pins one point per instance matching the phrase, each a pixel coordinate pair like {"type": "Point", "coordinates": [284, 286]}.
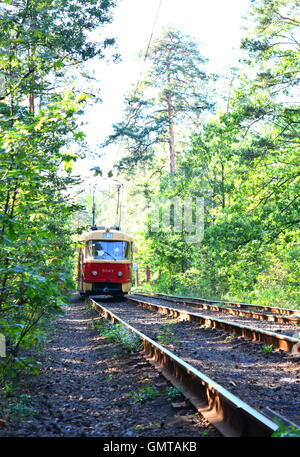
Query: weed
{"type": "Point", "coordinates": [229, 339]}
{"type": "Point", "coordinates": [266, 349]}
{"type": "Point", "coordinates": [8, 388]}
{"type": "Point", "coordinates": [173, 393]}
{"type": "Point", "coordinates": [165, 334]}
{"type": "Point", "coordinates": [143, 379]}
{"type": "Point", "coordinates": [157, 425]}
{"type": "Point", "coordinates": [146, 393]}
{"type": "Point", "coordinates": [89, 306]}
{"type": "Point", "coordinates": [96, 325]}
{"type": "Point", "coordinates": [139, 427]}
{"type": "Point", "coordinates": [120, 335]}
{"type": "Point", "coordinates": [22, 408]}
{"type": "Point", "coordinates": [285, 430]}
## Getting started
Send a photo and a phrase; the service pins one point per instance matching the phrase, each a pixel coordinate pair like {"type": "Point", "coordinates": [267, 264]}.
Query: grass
{"type": "Point", "coordinates": [173, 393]}
{"type": "Point", "coordinates": [285, 430]}
{"type": "Point", "coordinates": [120, 335]}
{"type": "Point", "coordinates": [261, 296]}
{"type": "Point", "coordinates": [266, 349]}
{"type": "Point", "coordinates": [144, 394]}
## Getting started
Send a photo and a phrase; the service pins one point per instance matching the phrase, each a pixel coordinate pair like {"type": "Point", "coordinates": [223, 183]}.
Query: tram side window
{"type": "Point", "coordinates": [109, 250]}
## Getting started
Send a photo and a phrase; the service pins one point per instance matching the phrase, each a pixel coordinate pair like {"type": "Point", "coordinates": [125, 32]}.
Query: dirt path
{"type": "Point", "coordinates": [85, 389]}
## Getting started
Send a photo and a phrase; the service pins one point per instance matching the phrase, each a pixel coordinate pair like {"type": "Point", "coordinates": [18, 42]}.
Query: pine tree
{"type": "Point", "coordinates": [175, 91]}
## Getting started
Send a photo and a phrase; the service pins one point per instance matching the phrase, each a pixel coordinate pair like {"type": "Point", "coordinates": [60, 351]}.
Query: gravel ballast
{"type": "Point", "coordinates": [269, 381]}
{"type": "Point", "coordinates": [87, 387]}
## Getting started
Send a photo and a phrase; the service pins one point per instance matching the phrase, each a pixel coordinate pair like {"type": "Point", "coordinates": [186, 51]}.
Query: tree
{"type": "Point", "coordinates": [269, 114]}
{"type": "Point", "coordinates": [174, 92]}
{"type": "Point", "coordinates": [273, 45]}
{"type": "Point", "coordinates": [245, 162]}
{"type": "Point", "coordinates": [41, 38]}
{"type": "Point", "coordinates": [39, 41]}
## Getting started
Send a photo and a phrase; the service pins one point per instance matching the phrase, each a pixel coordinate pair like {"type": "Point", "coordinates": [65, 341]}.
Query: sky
{"type": "Point", "coordinates": [217, 25]}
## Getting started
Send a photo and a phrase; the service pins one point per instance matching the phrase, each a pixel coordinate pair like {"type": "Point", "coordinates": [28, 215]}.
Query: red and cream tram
{"type": "Point", "coordinates": [104, 262]}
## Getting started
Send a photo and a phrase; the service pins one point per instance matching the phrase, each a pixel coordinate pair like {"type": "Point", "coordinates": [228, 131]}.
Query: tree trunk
{"type": "Point", "coordinates": [171, 137]}
{"type": "Point", "coordinates": [170, 119]}
{"type": "Point", "coordinates": [223, 187]}
{"type": "Point", "coordinates": [31, 52]}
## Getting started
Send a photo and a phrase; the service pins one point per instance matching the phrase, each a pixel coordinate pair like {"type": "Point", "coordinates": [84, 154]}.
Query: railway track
{"type": "Point", "coordinates": [176, 359]}
{"type": "Point", "coordinates": [271, 309]}
{"type": "Point", "coordinates": [282, 334]}
{"type": "Point", "coordinates": [263, 313]}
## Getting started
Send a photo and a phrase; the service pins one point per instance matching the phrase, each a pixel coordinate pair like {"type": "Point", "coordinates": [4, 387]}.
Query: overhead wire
{"type": "Point", "coordinates": [153, 28]}
{"type": "Point", "coordinates": [144, 60]}
{"type": "Point", "coordinates": [148, 45]}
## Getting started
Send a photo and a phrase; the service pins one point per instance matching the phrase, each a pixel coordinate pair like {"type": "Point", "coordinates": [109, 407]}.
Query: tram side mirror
{"type": "Point", "coordinates": [135, 250]}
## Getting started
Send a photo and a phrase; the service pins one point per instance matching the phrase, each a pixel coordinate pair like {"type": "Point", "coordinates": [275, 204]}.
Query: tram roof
{"type": "Point", "coordinates": [101, 233]}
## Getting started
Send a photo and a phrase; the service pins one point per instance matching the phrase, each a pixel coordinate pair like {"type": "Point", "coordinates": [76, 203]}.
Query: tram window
{"type": "Point", "coordinates": [109, 250]}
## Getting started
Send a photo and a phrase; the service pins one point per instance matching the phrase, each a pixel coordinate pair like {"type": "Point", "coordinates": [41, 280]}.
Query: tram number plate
{"type": "Point", "coordinates": [107, 235]}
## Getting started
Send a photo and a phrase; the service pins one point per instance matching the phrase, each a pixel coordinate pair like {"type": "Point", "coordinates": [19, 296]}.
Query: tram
{"type": "Point", "coordinates": [104, 262]}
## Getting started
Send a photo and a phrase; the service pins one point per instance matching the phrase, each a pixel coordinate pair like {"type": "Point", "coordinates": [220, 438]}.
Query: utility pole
{"type": "Point", "coordinates": [119, 206]}
{"type": "Point", "coordinates": [93, 210]}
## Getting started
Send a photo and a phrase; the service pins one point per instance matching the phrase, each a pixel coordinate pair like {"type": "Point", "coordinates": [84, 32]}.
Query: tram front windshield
{"type": "Point", "coordinates": [109, 250]}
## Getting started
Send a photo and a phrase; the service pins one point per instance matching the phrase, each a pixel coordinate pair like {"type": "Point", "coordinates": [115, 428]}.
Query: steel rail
{"type": "Point", "coordinates": [239, 311]}
{"type": "Point", "coordinates": [231, 416]}
{"type": "Point", "coordinates": [283, 342]}
{"type": "Point", "coordinates": [272, 309]}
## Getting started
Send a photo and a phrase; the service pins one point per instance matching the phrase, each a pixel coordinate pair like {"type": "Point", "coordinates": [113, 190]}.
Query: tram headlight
{"type": "Point", "coordinates": [94, 273]}
{"type": "Point", "coordinates": [120, 274]}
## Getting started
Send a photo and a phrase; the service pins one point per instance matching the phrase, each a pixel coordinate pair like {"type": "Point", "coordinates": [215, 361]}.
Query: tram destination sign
{"type": "Point", "coordinates": [107, 235]}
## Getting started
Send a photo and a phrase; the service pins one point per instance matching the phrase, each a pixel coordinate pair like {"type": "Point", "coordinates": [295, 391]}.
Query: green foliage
{"type": "Point", "coordinates": [120, 335]}
{"type": "Point", "coordinates": [36, 247]}
{"type": "Point", "coordinates": [244, 162]}
{"type": "Point", "coordinates": [21, 409]}
{"type": "Point", "coordinates": [273, 44]}
{"type": "Point", "coordinates": [145, 393]}
{"type": "Point", "coordinates": [40, 38]}
{"type": "Point", "coordinates": [173, 393]}
{"type": "Point", "coordinates": [38, 133]}
{"type": "Point", "coordinates": [165, 334]}
{"type": "Point", "coordinates": [266, 349]}
{"type": "Point", "coordinates": [176, 89]}
{"type": "Point", "coordinates": [284, 430]}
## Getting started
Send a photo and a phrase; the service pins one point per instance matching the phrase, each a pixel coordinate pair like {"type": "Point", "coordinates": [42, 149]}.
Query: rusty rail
{"type": "Point", "coordinates": [231, 416]}
{"type": "Point", "coordinates": [238, 310]}
{"type": "Point", "coordinates": [283, 342]}
{"type": "Point", "coordinates": [271, 309]}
